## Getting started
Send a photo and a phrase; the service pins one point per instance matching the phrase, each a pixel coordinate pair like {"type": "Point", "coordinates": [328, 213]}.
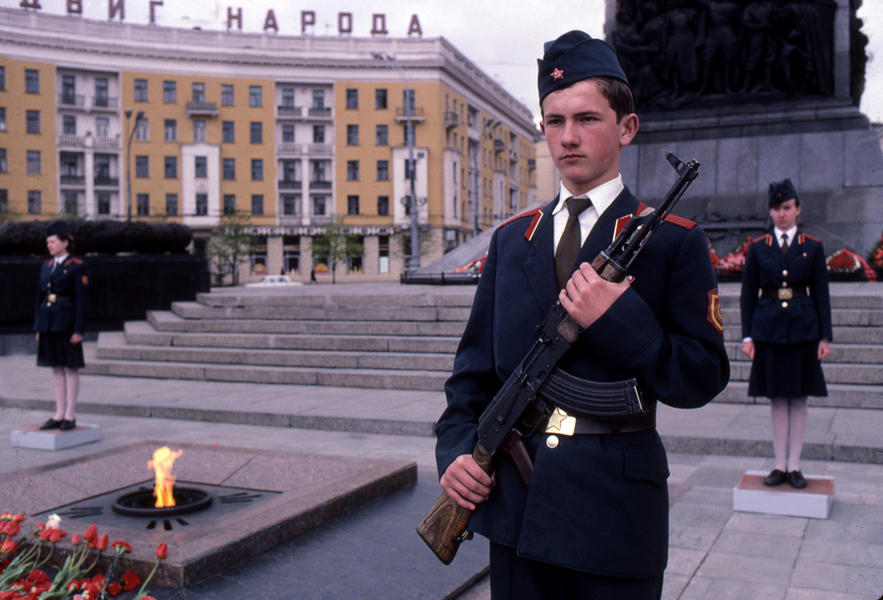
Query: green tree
{"type": "Point", "coordinates": [229, 244]}
{"type": "Point", "coordinates": [334, 244]}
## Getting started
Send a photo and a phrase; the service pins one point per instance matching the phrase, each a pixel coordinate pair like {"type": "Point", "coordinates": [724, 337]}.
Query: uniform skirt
{"type": "Point", "coordinates": [786, 371]}
{"type": "Point", "coordinates": [55, 350]}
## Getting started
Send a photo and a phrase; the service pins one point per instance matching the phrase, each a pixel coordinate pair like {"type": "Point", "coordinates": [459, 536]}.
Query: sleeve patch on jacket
{"type": "Point", "coordinates": [714, 311]}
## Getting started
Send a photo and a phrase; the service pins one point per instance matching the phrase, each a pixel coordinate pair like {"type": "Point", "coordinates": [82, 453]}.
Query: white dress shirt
{"type": "Point", "coordinates": [601, 197]}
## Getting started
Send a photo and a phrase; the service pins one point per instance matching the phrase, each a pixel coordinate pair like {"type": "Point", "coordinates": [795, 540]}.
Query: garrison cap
{"type": "Point", "coordinates": [57, 228]}
{"type": "Point", "coordinates": [573, 57]}
{"type": "Point", "coordinates": [781, 191]}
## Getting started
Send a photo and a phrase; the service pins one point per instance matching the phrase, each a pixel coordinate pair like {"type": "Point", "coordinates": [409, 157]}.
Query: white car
{"type": "Point", "coordinates": [273, 281]}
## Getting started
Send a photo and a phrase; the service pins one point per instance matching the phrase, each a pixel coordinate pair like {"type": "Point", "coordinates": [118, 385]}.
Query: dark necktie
{"type": "Point", "coordinates": [571, 240]}
{"type": "Point", "coordinates": [784, 244]}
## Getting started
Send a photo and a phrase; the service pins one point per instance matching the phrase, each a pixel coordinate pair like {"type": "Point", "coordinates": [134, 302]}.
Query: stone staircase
{"type": "Point", "coordinates": [406, 340]}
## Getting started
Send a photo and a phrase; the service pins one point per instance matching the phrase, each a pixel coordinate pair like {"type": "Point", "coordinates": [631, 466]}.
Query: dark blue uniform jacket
{"type": "Point", "coordinates": [596, 503]}
{"type": "Point", "coordinates": [801, 319]}
{"type": "Point", "coordinates": [70, 283]}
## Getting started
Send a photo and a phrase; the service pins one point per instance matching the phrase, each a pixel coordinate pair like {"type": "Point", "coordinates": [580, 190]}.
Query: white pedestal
{"type": "Point", "coordinates": [54, 439]}
{"type": "Point", "coordinates": [751, 495]}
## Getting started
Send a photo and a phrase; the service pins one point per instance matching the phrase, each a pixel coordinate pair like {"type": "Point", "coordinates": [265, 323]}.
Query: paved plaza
{"type": "Point", "coordinates": [374, 552]}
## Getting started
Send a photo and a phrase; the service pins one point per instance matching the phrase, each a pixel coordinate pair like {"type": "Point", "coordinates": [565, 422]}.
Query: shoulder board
{"type": "Point", "coordinates": [766, 239]}
{"type": "Point", "coordinates": [77, 261]}
{"type": "Point", "coordinates": [535, 214]}
{"type": "Point", "coordinates": [805, 236]}
{"type": "Point", "coordinates": [670, 218]}
{"type": "Point", "coordinates": [48, 262]}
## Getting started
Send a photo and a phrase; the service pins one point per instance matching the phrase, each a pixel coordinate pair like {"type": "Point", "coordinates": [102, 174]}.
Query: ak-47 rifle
{"type": "Point", "coordinates": [517, 411]}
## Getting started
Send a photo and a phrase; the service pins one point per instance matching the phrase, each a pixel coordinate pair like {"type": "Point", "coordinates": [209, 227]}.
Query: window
{"type": "Point", "coordinates": [142, 166]}
{"type": "Point", "coordinates": [35, 202]}
{"type": "Point", "coordinates": [255, 96]}
{"type": "Point", "coordinates": [289, 206]}
{"type": "Point", "coordinates": [32, 81]}
{"type": "Point", "coordinates": [383, 205]}
{"type": "Point", "coordinates": [352, 99]}
{"type": "Point", "coordinates": [226, 95]}
{"type": "Point", "coordinates": [101, 126]}
{"type": "Point", "coordinates": [289, 170]}
{"type": "Point", "coordinates": [4, 197]}
{"type": "Point", "coordinates": [318, 134]}
{"type": "Point", "coordinates": [288, 134]}
{"type": "Point", "coordinates": [171, 204]}
{"type": "Point", "coordinates": [34, 162]}
{"type": "Point", "coordinates": [409, 138]}
{"type": "Point", "coordinates": [142, 202]}
{"type": "Point", "coordinates": [140, 90]}
{"type": "Point", "coordinates": [198, 130]}
{"type": "Point", "coordinates": [287, 98]}
{"type": "Point", "coordinates": [142, 130]}
{"type": "Point", "coordinates": [228, 132]}
{"type": "Point", "coordinates": [68, 89]}
{"type": "Point", "coordinates": [200, 167]}
{"type": "Point", "coordinates": [69, 125]}
{"type": "Point", "coordinates": [382, 170]}
{"type": "Point", "coordinates": [408, 100]}
{"type": "Point", "coordinates": [169, 92]}
{"type": "Point", "coordinates": [381, 137]}
{"type": "Point", "coordinates": [229, 204]}
{"type": "Point", "coordinates": [319, 206]}
{"type": "Point", "coordinates": [257, 204]}
{"type": "Point", "coordinates": [70, 204]}
{"type": "Point", "coordinates": [33, 121]}
{"type": "Point", "coordinates": [352, 135]}
{"type": "Point", "coordinates": [2, 118]}
{"type": "Point", "coordinates": [352, 170]}
{"type": "Point", "coordinates": [3, 165]}
{"type": "Point", "coordinates": [352, 205]}
{"type": "Point", "coordinates": [170, 129]}
{"type": "Point", "coordinates": [318, 98]}
{"type": "Point", "coordinates": [102, 166]}
{"type": "Point", "coordinates": [103, 203]}
{"type": "Point", "coordinates": [228, 168]}
{"type": "Point", "coordinates": [198, 91]}
{"type": "Point", "coordinates": [171, 167]}
{"type": "Point", "coordinates": [318, 170]}
{"type": "Point", "coordinates": [256, 132]}
{"type": "Point", "coordinates": [380, 102]}
{"type": "Point", "coordinates": [101, 99]}
{"type": "Point", "coordinates": [201, 205]}
{"type": "Point", "coordinates": [2, 83]}
{"type": "Point", "coordinates": [410, 171]}
{"type": "Point", "coordinates": [257, 169]}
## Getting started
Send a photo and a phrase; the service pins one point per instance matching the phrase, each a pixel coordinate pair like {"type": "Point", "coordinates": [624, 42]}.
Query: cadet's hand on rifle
{"type": "Point", "coordinates": [466, 483]}
{"type": "Point", "coordinates": [587, 296]}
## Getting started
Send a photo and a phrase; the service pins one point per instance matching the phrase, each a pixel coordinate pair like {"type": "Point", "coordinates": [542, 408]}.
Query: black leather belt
{"type": "Point", "coordinates": [783, 293]}
{"type": "Point", "coordinates": [561, 423]}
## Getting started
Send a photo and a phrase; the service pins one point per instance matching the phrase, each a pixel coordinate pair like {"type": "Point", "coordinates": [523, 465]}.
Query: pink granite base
{"type": "Point", "coordinates": [312, 490]}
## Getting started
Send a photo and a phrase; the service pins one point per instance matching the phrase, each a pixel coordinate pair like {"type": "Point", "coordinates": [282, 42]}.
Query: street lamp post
{"type": "Point", "coordinates": [411, 172]}
{"type": "Point", "coordinates": [138, 116]}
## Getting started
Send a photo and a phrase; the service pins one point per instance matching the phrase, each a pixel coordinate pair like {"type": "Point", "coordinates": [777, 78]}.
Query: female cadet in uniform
{"type": "Point", "coordinates": [59, 320]}
{"type": "Point", "coordinates": [786, 326]}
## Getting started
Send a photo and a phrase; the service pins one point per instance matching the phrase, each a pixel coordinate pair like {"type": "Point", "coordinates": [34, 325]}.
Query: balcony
{"type": "Point", "coordinates": [106, 143]}
{"type": "Point", "coordinates": [319, 112]}
{"type": "Point", "coordinates": [103, 181]}
{"type": "Point", "coordinates": [320, 184]}
{"type": "Point", "coordinates": [416, 115]}
{"type": "Point", "coordinates": [532, 164]}
{"type": "Point", "coordinates": [451, 119]}
{"type": "Point", "coordinates": [499, 146]}
{"type": "Point", "coordinates": [319, 150]}
{"type": "Point", "coordinates": [290, 149]}
{"type": "Point", "coordinates": [290, 184]}
{"type": "Point", "coordinates": [513, 156]}
{"type": "Point", "coordinates": [75, 180]}
{"type": "Point", "coordinates": [72, 100]}
{"type": "Point", "coordinates": [202, 109]}
{"type": "Point", "coordinates": [288, 112]}
{"type": "Point", "coordinates": [101, 103]}
{"type": "Point", "coordinates": [71, 141]}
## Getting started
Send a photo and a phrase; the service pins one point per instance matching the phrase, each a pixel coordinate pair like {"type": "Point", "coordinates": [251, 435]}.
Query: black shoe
{"type": "Point", "coordinates": [51, 424]}
{"type": "Point", "coordinates": [775, 477]}
{"type": "Point", "coordinates": [67, 425]}
{"type": "Point", "coordinates": [797, 480]}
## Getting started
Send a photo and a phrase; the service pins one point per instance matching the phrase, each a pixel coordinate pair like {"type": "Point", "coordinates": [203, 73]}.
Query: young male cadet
{"type": "Point", "coordinates": [594, 521]}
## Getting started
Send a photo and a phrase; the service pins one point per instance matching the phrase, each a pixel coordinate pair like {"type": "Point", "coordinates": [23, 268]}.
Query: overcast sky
{"type": "Point", "coordinates": [503, 37]}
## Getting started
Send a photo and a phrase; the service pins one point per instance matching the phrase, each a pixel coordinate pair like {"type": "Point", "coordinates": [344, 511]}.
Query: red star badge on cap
{"type": "Point", "coordinates": [557, 74]}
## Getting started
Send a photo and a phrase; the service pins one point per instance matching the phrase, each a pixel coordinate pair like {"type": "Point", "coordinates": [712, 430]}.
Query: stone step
{"type": "Point", "coordinates": [195, 310]}
{"type": "Point", "coordinates": [837, 301]}
{"type": "Point", "coordinates": [142, 333]}
{"type": "Point", "coordinates": [856, 373]}
{"type": "Point", "coordinates": [842, 334]}
{"type": "Point", "coordinates": [460, 298]}
{"type": "Point", "coordinates": [846, 316]}
{"type": "Point", "coordinates": [840, 395]}
{"type": "Point", "coordinates": [354, 378]}
{"type": "Point", "coordinates": [169, 321]}
{"type": "Point", "coordinates": [840, 353]}
{"type": "Point", "coordinates": [112, 345]}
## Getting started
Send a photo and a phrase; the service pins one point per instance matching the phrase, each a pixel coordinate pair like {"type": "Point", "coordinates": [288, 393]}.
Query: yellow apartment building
{"type": "Point", "coordinates": [124, 121]}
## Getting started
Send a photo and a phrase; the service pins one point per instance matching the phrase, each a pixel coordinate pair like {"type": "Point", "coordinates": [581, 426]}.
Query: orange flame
{"type": "Point", "coordinates": [163, 459]}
